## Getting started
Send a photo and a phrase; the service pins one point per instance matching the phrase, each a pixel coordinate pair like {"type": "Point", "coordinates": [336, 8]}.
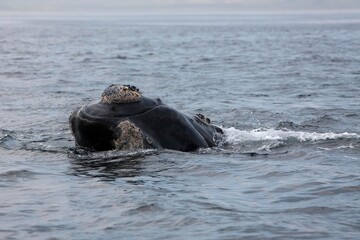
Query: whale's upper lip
{"type": "Point", "coordinates": [118, 110]}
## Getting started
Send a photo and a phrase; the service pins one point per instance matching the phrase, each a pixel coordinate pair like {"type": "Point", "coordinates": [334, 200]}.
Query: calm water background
{"type": "Point", "coordinates": [284, 87]}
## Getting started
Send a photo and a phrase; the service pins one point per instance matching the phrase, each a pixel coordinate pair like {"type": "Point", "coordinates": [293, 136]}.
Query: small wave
{"type": "Point", "coordinates": [313, 210]}
{"type": "Point", "coordinates": [108, 165]}
{"type": "Point", "coordinates": [205, 59]}
{"type": "Point", "coordinates": [83, 154]}
{"type": "Point", "coordinates": [9, 140]}
{"type": "Point", "coordinates": [234, 136]}
{"type": "Point", "coordinates": [87, 59]}
{"type": "Point", "coordinates": [12, 74]}
{"type": "Point", "coordinates": [121, 57]}
{"type": "Point", "coordinates": [21, 140]}
{"type": "Point", "coordinates": [341, 190]}
{"type": "Point", "coordinates": [16, 174]}
{"type": "Point", "coordinates": [322, 120]}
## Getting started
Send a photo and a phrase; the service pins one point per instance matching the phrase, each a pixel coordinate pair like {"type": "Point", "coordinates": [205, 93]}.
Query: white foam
{"type": "Point", "coordinates": [234, 135]}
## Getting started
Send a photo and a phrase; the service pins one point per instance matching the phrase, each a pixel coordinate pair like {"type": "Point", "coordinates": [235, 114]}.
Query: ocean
{"type": "Point", "coordinates": [284, 87]}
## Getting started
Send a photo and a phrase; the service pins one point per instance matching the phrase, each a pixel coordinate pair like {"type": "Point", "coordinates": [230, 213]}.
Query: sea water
{"type": "Point", "coordinates": [284, 87]}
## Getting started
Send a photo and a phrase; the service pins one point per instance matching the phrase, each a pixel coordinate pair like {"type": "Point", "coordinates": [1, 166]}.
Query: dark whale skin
{"type": "Point", "coordinates": [95, 126]}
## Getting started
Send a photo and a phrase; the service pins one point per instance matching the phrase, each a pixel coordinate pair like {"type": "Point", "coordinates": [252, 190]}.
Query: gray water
{"type": "Point", "coordinates": [285, 89]}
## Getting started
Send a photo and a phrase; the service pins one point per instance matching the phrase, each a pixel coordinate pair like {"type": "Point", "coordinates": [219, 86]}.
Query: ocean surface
{"type": "Point", "coordinates": [285, 89]}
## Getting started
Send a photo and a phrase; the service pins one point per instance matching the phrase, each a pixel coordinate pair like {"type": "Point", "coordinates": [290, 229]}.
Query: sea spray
{"type": "Point", "coordinates": [235, 136]}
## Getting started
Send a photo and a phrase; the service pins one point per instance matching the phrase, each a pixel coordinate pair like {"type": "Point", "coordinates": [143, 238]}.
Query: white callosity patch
{"type": "Point", "coordinates": [120, 94]}
{"type": "Point", "coordinates": [130, 137]}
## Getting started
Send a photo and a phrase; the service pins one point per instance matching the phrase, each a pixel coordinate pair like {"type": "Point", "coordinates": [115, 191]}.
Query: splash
{"type": "Point", "coordinates": [234, 136]}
